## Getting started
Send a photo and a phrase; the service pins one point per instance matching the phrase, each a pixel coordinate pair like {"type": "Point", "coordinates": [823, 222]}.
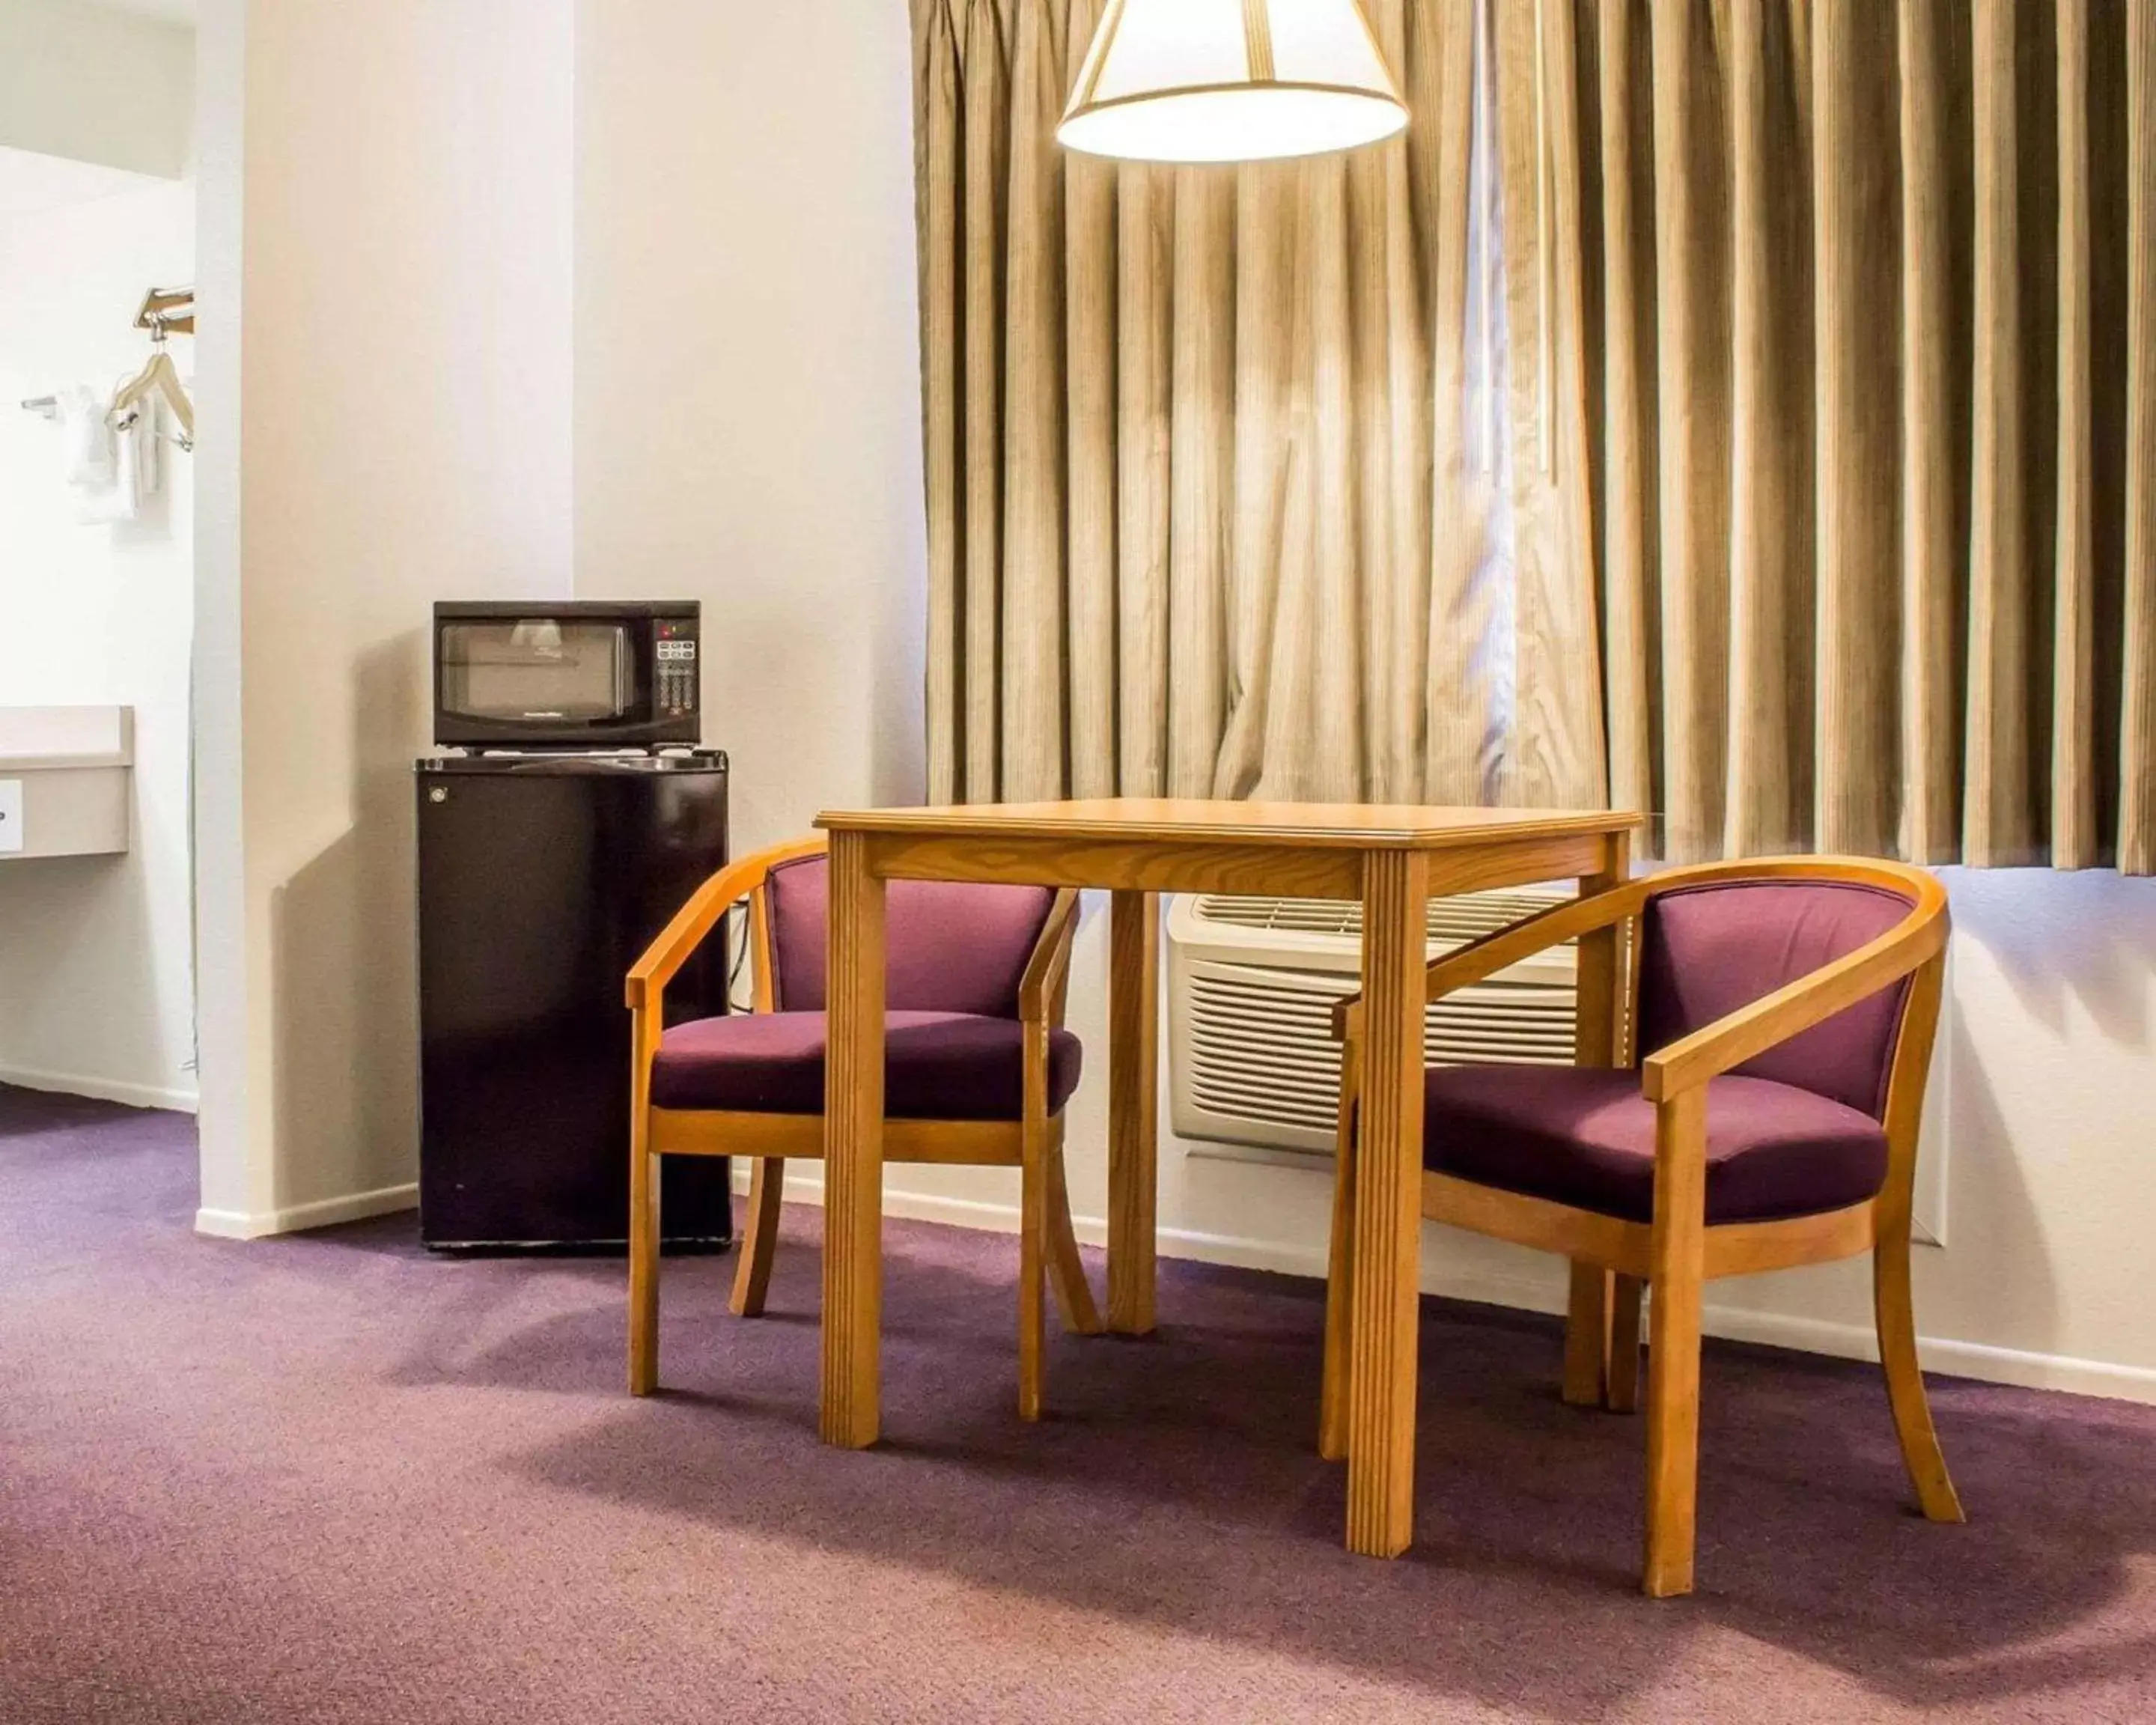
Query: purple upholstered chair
{"type": "Point", "coordinates": [1775, 1023]}
{"type": "Point", "coordinates": [977, 1067]}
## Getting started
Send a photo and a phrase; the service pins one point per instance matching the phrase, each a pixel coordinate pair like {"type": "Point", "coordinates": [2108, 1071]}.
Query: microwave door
{"type": "Point", "coordinates": [536, 672]}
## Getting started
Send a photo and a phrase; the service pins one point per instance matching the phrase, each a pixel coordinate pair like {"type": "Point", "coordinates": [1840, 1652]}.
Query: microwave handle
{"type": "Point", "coordinates": [622, 693]}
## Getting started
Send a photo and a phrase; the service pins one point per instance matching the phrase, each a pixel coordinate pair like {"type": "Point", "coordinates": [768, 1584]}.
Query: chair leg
{"type": "Point", "coordinates": [1678, 1280]}
{"type": "Point", "coordinates": [1032, 1303]}
{"type": "Point", "coordinates": [643, 1266]}
{"type": "Point", "coordinates": [1339, 1284]}
{"type": "Point", "coordinates": [1586, 1335]}
{"type": "Point", "coordinates": [759, 1241]}
{"type": "Point", "coordinates": [1621, 1394]}
{"type": "Point", "coordinates": [1073, 1294]}
{"type": "Point", "coordinates": [1673, 1435]}
{"type": "Point", "coordinates": [1905, 1379]}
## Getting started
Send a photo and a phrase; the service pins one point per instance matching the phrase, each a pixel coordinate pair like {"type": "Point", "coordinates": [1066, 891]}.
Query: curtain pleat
{"type": "Point", "coordinates": [1556, 647]}
{"type": "Point", "coordinates": [1857, 356]}
{"type": "Point", "coordinates": [2137, 763]}
{"type": "Point", "coordinates": [1200, 523]}
{"type": "Point", "coordinates": [1629, 542]}
{"type": "Point", "coordinates": [1995, 771]}
{"type": "Point", "coordinates": [1201, 465]}
{"type": "Point", "coordinates": [984, 94]}
{"type": "Point", "coordinates": [1691, 298]}
{"type": "Point", "coordinates": [1457, 703]}
{"type": "Point", "coordinates": [1769, 549]}
{"type": "Point", "coordinates": [1036, 478]}
{"type": "Point", "coordinates": [939, 202]}
{"type": "Point", "coordinates": [2073, 694]}
{"type": "Point", "coordinates": [1405, 426]}
{"type": "Point", "coordinates": [1874, 435]}
{"type": "Point", "coordinates": [1145, 228]}
{"type": "Point", "coordinates": [1932, 485]}
{"type": "Point", "coordinates": [1092, 367]}
{"type": "Point", "coordinates": [1569, 579]}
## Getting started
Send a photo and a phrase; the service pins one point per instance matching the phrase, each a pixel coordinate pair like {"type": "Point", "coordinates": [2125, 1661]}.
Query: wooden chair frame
{"type": "Point", "coordinates": [1678, 1252]}
{"type": "Point", "coordinates": [1033, 1144]}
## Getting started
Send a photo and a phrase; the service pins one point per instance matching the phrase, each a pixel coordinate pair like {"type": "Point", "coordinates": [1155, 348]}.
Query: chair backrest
{"type": "Point", "coordinates": [949, 945]}
{"type": "Point", "coordinates": [1707, 949]}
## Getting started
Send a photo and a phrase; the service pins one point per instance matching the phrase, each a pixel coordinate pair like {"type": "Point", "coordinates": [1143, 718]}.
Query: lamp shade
{"type": "Point", "coordinates": [1231, 81]}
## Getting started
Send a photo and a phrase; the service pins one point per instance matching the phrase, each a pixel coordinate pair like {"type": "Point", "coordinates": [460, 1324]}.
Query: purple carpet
{"type": "Point", "coordinates": [329, 1478]}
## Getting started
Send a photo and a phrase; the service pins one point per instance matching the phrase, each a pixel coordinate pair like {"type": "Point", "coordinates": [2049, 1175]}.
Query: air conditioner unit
{"type": "Point", "coordinates": [1252, 983]}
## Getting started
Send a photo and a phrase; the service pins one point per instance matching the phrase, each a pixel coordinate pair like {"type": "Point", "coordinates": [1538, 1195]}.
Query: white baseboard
{"type": "Point", "coordinates": [322, 1213]}
{"type": "Point", "coordinates": [1959, 1359]}
{"type": "Point", "coordinates": [180, 1099]}
{"type": "Point", "coordinates": [1803, 1335]}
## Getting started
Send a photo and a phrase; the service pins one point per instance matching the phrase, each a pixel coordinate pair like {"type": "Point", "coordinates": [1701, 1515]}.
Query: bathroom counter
{"type": "Point", "coordinates": [64, 774]}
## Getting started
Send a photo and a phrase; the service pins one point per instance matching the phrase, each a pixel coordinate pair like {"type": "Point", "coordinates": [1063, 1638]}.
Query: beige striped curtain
{"type": "Point", "coordinates": [1203, 517]}
{"type": "Point", "coordinates": [1870, 389]}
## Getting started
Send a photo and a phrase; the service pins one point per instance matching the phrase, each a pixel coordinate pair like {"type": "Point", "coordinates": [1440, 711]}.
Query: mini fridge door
{"type": "Point", "coordinates": [541, 881]}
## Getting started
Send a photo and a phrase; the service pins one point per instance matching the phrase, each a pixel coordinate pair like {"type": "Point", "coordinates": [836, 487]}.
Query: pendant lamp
{"type": "Point", "coordinates": [1231, 81]}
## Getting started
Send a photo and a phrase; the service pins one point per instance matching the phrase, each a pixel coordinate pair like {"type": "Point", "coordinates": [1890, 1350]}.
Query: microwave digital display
{"type": "Point", "coordinates": [567, 675]}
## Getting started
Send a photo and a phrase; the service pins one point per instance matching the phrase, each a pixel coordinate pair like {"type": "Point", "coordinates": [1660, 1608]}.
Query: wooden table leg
{"type": "Point", "coordinates": [1382, 1317]}
{"type": "Point", "coordinates": [853, 1149]}
{"type": "Point", "coordinates": [1599, 1038]}
{"type": "Point", "coordinates": [1133, 1107]}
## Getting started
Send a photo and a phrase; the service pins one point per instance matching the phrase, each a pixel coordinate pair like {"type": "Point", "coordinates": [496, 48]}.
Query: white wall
{"type": "Point", "coordinates": [92, 83]}
{"type": "Point", "coordinates": [748, 429]}
{"type": "Point", "coordinates": [748, 434]}
{"type": "Point", "coordinates": [385, 387]}
{"type": "Point", "coordinates": [2044, 1086]}
{"type": "Point", "coordinates": [95, 994]}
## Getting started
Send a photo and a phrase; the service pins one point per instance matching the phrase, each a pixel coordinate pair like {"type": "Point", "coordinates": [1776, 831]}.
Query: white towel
{"type": "Point", "coordinates": [110, 470]}
{"type": "Point", "coordinates": [89, 459]}
{"type": "Point", "coordinates": [136, 478]}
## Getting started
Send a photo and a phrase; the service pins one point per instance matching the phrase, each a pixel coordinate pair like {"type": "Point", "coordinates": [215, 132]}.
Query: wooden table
{"type": "Point", "coordinates": [1392, 859]}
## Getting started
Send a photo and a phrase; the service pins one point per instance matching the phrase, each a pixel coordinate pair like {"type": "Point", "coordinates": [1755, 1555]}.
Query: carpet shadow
{"type": "Point", "coordinates": [1175, 1483]}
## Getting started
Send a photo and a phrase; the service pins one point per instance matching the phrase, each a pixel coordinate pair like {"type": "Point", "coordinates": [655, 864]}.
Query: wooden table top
{"type": "Point", "coordinates": [1358, 826]}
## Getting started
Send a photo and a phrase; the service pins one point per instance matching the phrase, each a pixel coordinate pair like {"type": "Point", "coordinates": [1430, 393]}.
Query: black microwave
{"type": "Point", "coordinates": [567, 674]}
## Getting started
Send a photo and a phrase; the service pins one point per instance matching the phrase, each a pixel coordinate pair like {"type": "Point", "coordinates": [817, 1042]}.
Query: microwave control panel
{"type": "Point", "coordinates": [676, 670]}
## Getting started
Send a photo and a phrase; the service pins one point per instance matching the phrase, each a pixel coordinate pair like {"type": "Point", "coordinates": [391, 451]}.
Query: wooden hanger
{"type": "Point", "coordinates": [160, 378]}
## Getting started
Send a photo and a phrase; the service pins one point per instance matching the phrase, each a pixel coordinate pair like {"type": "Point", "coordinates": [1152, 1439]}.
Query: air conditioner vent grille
{"type": "Point", "coordinates": [1252, 983]}
{"type": "Point", "coordinates": [1450, 920]}
{"type": "Point", "coordinates": [1258, 1049]}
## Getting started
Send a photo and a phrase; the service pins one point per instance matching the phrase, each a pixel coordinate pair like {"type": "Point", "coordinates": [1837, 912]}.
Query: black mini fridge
{"type": "Point", "coordinates": [541, 880]}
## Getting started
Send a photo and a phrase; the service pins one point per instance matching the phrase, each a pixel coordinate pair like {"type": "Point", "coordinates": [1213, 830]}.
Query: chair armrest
{"type": "Point", "coordinates": [1734, 1039]}
{"type": "Point", "coordinates": [1503, 947]}
{"type": "Point", "coordinates": [649, 975]}
{"type": "Point", "coordinates": [1040, 989]}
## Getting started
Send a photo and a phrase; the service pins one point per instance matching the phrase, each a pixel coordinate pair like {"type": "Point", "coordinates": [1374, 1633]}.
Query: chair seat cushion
{"type": "Point", "coordinates": [1585, 1138]}
{"type": "Point", "coordinates": [937, 1065]}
